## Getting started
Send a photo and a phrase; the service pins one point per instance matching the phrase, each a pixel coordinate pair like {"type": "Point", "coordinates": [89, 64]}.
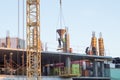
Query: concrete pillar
{"type": "Point", "coordinates": [43, 70]}
{"type": "Point", "coordinates": [102, 68]}
{"type": "Point", "coordinates": [95, 69]}
{"type": "Point", "coordinates": [48, 70]}
{"type": "Point", "coordinates": [68, 64]}
{"type": "Point", "coordinates": [5, 63]}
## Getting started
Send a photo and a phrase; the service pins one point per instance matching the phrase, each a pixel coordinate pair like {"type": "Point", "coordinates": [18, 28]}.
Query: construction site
{"type": "Point", "coordinates": [64, 65]}
{"type": "Point", "coordinates": [28, 60]}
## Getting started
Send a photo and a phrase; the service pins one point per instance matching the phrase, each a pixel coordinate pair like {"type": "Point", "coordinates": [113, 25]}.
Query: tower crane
{"type": "Point", "coordinates": [33, 40]}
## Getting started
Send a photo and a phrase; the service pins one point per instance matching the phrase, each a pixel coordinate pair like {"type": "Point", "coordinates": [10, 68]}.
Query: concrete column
{"type": "Point", "coordinates": [11, 68]}
{"type": "Point", "coordinates": [48, 70]}
{"type": "Point", "coordinates": [43, 70]}
{"type": "Point", "coordinates": [102, 68]}
{"type": "Point", "coordinates": [95, 69]}
{"type": "Point", "coordinates": [68, 64]}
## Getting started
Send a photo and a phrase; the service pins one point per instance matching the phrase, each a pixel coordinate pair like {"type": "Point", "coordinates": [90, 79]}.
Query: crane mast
{"type": "Point", "coordinates": [33, 40]}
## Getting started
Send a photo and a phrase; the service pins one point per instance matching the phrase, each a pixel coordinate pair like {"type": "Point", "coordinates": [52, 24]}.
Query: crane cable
{"type": "Point", "coordinates": [23, 41]}
{"type": "Point", "coordinates": [18, 46]}
{"type": "Point", "coordinates": [18, 33]}
{"type": "Point", "coordinates": [61, 20]}
{"type": "Point", "coordinates": [18, 22]}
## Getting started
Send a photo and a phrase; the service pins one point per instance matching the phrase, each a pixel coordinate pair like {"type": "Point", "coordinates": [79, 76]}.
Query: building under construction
{"type": "Point", "coordinates": [32, 63]}
{"type": "Point", "coordinates": [64, 65]}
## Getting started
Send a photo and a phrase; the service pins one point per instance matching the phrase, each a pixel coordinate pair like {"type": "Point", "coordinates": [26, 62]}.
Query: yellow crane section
{"type": "Point", "coordinates": [33, 40]}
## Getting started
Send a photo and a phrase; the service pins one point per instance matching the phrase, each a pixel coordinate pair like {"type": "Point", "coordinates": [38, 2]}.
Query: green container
{"type": "Point", "coordinates": [56, 71]}
{"type": "Point", "coordinates": [76, 69]}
